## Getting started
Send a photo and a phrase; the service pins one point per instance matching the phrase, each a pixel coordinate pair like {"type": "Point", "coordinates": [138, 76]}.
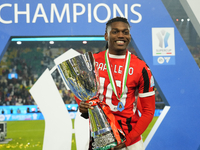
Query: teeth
{"type": "Point", "coordinates": [120, 42]}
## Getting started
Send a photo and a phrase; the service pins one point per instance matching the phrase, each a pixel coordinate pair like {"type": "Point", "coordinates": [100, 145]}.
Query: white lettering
{"type": "Point", "coordinates": [75, 13]}
{"type": "Point", "coordinates": [101, 90]}
{"type": "Point", "coordinates": [130, 71]}
{"type": "Point", "coordinates": [136, 13]}
{"type": "Point", "coordinates": [60, 18]}
{"type": "Point", "coordinates": [120, 71]}
{"type": "Point", "coordinates": [78, 9]}
{"type": "Point", "coordinates": [8, 117]}
{"type": "Point", "coordinates": [89, 13]}
{"type": "Point", "coordinates": [96, 64]}
{"type": "Point", "coordinates": [109, 93]}
{"type": "Point", "coordinates": [104, 68]}
{"type": "Point", "coordinates": [108, 12]}
{"type": "Point", "coordinates": [167, 59]}
{"type": "Point", "coordinates": [100, 66]}
{"type": "Point", "coordinates": [115, 69]}
{"type": "Point", "coordinates": [1, 20]}
{"type": "Point", "coordinates": [43, 15]}
{"type": "Point", "coordinates": [116, 9]}
{"type": "Point", "coordinates": [27, 13]}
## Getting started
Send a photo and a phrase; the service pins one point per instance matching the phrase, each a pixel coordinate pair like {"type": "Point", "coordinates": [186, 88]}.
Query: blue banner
{"type": "Point", "coordinates": [20, 117]}
{"type": "Point", "coordinates": [20, 112]}
{"type": "Point", "coordinates": [29, 112]}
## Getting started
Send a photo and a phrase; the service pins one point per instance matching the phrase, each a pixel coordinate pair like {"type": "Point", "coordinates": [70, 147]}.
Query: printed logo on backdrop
{"type": "Point", "coordinates": [163, 47]}
{"type": "Point", "coordinates": [2, 117]}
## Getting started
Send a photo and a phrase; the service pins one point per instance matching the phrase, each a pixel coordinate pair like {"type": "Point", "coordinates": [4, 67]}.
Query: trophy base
{"type": "Point", "coordinates": [109, 146]}
{"type": "Point", "coordinates": [104, 142]}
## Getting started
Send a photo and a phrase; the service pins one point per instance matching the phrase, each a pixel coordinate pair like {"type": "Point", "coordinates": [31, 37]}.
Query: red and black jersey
{"type": "Point", "coordinates": [139, 77]}
{"type": "Point", "coordinates": [139, 82]}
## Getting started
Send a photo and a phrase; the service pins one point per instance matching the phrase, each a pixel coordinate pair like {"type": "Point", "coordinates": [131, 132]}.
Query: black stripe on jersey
{"type": "Point", "coordinates": [146, 80]}
{"type": "Point", "coordinates": [128, 122]}
{"type": "Point", "coordinates": [120, 123]}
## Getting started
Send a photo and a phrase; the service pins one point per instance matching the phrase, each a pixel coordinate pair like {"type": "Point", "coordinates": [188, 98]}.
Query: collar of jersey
{"type": "Point", "coordinates": [117, 56]}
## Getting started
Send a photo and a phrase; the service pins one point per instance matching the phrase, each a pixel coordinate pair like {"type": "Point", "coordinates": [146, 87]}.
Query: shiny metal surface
{"type": "Point", "coordinates": [98, 121]}
{"type": "Point", "coordinates": [82, 78]}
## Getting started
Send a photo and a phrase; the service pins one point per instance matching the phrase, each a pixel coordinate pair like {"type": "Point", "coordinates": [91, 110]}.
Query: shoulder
{"type": "Point", "coordinates": [138, 64]}
{"type": "Point", "coordinates": [99, 55]}
{"type": "Point", "coordinates": [136, 60]}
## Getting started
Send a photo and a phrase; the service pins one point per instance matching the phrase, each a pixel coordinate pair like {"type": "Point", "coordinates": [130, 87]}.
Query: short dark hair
{"type": "Point", "coordinates": [116, 19]}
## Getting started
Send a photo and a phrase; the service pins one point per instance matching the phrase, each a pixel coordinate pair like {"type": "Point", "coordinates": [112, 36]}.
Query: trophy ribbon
{"type": "Point", "coordinates": [111, 118]}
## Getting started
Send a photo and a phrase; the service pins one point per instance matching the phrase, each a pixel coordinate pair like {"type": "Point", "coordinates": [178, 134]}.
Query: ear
{"type": "Point", "coordinates": [106, 36]}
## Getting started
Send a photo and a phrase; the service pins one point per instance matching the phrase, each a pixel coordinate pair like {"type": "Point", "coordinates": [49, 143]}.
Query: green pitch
{"type": "Point", "coordinates": [28, 135]}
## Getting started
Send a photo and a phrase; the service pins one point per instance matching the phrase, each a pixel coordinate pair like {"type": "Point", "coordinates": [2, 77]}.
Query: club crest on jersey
{"type": "Point", "coordinates": [152, 82]}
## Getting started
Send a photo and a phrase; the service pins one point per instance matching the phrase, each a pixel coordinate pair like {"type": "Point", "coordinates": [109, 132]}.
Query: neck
{"type": "Point", "coordinates": [117, 52]}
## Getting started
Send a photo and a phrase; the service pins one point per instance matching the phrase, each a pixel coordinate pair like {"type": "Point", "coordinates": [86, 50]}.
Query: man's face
{"type": "Point", "coordinates": [118, 37]}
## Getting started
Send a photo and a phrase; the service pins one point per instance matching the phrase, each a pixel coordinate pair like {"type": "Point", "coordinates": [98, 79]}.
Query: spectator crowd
{"type": "Point", "coordinates": [29, 64]}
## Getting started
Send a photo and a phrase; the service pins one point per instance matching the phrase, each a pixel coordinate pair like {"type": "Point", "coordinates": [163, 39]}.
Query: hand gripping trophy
{"type": "Point", "coordinates": [81, 76]}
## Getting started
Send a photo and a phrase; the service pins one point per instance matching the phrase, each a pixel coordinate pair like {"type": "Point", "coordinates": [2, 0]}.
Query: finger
{"type": "Point", "coordinates": [83, 110]}
{"type": "Point", "coordinates": [85, 105]}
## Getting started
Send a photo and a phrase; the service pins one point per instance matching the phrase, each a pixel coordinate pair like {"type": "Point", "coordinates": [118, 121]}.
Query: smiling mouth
{"type": "Point", "coordinates": [120, 42]}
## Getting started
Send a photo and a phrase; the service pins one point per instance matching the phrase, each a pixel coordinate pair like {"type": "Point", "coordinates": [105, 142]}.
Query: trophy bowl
{"type": "Point", "coordinates": [82, 78]}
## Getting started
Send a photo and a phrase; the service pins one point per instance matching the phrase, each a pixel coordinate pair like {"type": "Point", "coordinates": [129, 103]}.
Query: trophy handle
{"type": "Point", "coordinates": [90, 54]}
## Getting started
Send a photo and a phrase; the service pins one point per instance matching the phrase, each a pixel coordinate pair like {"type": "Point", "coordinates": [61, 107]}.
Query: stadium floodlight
{"type": "Point", "coordinates": [51, 42]}
{"type": "Point", "coordinates": [84, 42]}
{"type": "Point", "coordinates": [19, 42]}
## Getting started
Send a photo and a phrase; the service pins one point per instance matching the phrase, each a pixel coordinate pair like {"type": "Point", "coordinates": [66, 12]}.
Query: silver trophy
{"type": "Point", "coordinates": [81, 76]}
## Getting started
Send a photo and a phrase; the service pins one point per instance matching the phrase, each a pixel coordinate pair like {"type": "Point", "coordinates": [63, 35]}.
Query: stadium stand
{"type": "Point", "coordinates": [30, 62]}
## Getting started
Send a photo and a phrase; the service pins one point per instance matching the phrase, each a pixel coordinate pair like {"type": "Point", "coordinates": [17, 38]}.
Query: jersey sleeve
{"type": "Point", "coordinates": [146, 83]}
{"type": "Point", "coordinates": [146, 105]}
{"type": "Point", "coordinates": [148, 109]}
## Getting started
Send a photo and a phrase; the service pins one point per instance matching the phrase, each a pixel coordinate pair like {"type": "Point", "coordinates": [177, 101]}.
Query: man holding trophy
{"type": "Point", "coordinates": [105, 90]}
{"type": "Point", "coordinates": [120, 75]}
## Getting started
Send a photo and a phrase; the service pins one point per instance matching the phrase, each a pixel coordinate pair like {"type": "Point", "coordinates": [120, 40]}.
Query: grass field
{"type": "Point", "coordinates": [28, 135]}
